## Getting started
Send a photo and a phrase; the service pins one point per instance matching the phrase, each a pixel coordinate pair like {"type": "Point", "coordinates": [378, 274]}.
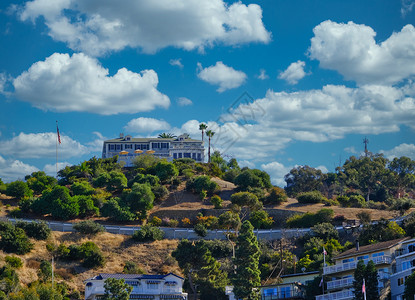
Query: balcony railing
{"type": "Point", "coordinates": [343, 295]}
{"type": "Point", "coordinates": [340, 283]}
{"type": "Point", "coordinates": [385, 259]}
{"type": "Point", "coordinates": [283, 295]}
{"type": "Point", "coordinates": [404, 251]}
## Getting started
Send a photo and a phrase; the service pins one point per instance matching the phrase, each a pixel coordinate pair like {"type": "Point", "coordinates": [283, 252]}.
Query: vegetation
{"type": "Point", "coordinates": [117, 289]}
{"type": "Point", "coordinates": [369, 274]}
{"type": "Point", "coordinates": [88, 227]}
{"type": "Point", "coordinates": [148, 233]}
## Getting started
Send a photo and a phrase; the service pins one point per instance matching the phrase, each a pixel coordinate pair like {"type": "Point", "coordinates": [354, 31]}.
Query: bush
{"type": "Point", "coordinates": [82, 188]}
{"type": "Point", "coordinates": [38, 230]}
{"type": "Point", "coordinates": [308, 219]}
{"type": "Point", "coordinates": [202, 195]}
{"type": "Point", "coordinates": [88, 227]}
{"type": "Point", "coordinates": [14, 261]}
{"type": "Point", "coordinates": [219, 248]}
{"type": "Point", "coordinates": [45, 270]}
{"type": "Point", "coordinates": [200, 230]}
{"type": "Point", "coordinates": [325, 231]}
{"type": "Point", "coordinates": [15, 240]}
{"type": "Point", "coordinates": [352, 201]}
{"type": "Point", "coordinates": [164, 170]}
{"type": "Point", "coordinates": [148, 233]}
{"type": "Point", "coordinates": [339, 219]}
{"type": "Point", "coordinates": [401, 204]}
{"type": "Point", "coordinates": [202, 183]}
{"type": "Point", "coordinates": [86, 206]}
{"type": "Point", "coordinates": [310, 197]}
{"type": "Point", "coordinates": [186, 222]}
{"type": "Point", "coordinates": [276, 196]}
{"type": "Point", "coordinates": [260, 219]}
{"type": "Point", "coordinates": [92, 255]}
{"type": "Point", "coordinates": [364, 217]}
{"type": "Point", "coordinates": [252, 178]}
{"type": "Point", "coordinates": [155, 221]}
{"type": "Point", "coordinates": [132, 268]}
{"type": "Point", "coordinates": [216, 201]}
{"type": "Point", "coordinates": [18, 189]}
{"type": "Point", "coordinates": [160, 192]}
{"type": "Point", "coordinates": [173, 223]}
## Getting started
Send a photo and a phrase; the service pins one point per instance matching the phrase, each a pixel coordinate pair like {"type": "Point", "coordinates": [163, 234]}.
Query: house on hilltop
{"type": "Point", "coordinates": [127, 148]}
{"type": "Point", "coordinates": [157, 287]}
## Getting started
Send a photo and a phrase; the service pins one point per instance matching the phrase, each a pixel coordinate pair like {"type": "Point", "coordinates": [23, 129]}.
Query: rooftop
{"type": "Point", "coordinates": [103, 276]}
{"type": "Point", "coordinates": [371, 248]}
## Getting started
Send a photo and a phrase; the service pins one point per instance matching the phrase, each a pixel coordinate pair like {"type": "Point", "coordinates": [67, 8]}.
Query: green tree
{"type": "Point", "coordinates": [359, 275]}
{"type": "Point", "coordinates": [164, 170]}
{"type": "Point", "coordinates": [210, 134]}
{"type": "Point", "coordinates": [15, 240]}
{"type": "Point", "coordinates": [402, 175]}
{"type": "Point", "coordinates": [247, 277]}
{"type": "Point", "coordinates": [253, 178]}
{"type": "Point", "coordinates": [276, 196]}
{"type": "Point", "coordinates": [117, 289]}
{"type": "Point", "coordinates": [45, 271]}
{"type": "Point", "coordinates": [410, 287]}
{"type": "Point", "coordinates": [260, 219]}
{"type": "Point", "coordinates": [383, 230]}
{"type": "Point", "coordinates": [18, 189]}
{"type": "Point", "coordinates": [117, 180]}
{"type": "Point", "coordinates": [39, 181]}
{"type": "Point", "coordinates": [166, 136]}
{"type": "Point", "coordinates": [203, 127]}
{"type": "Point", "coordinates": [371, 281]}
{"type": "Point", "coordinates": [303, 179]}
{"type": "Point", "coordinates": [140, 199]}
{"type": "Point", "coordinates": [82, 188]}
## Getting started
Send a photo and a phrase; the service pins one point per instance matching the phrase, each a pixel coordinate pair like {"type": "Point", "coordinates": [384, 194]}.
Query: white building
{"type": "Point", "coordinates": [157, 287]}
{"type": "Point", "coordinates": [127, 148]}
{"type": "Point", "coordinates": [405, 266]}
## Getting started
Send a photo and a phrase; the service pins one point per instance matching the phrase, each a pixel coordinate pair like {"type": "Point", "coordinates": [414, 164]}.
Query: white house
{"type": "Point", "coordinates": [157, 287]}
{"type": "Point", "coordinates": [127, 148]}
{"type": "Point", "coordinates": [405, 266]}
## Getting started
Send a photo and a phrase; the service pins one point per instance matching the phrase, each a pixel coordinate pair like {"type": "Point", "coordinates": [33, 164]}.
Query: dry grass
{"type": "Point", "coordinates": [153, 257]}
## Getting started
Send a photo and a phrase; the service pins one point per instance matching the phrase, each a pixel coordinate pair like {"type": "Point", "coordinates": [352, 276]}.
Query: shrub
{"type": "Point", "coordinates": [173, 223]}
{"type": "Point", "coordinates": [15, 213]}
{"type": "Point", "coordinates": [88, 227]}
{"type": "Point", "coordinates": [246, 199]}
{"type": "Point", "coordinates": [210, 222]}
{"type": "Point", "coordinates": [164, 170]}
{"type": "Point", "coordinates": [148, 233]}
{"type": "Point", "coordinates": [339, 219]}
{"type": "Point", "coordinates": [15, 240]}
{"type": "Point", "coordinates": [160, 192]}
{"type": "Point", "coordinates": [308, 219]}
{"type": "Point", "coordinates": [38, 230]}
{"type": "Point", "coordinates": [310, 197]}
{"type": "Point", "coordinates": [92, 255]}
{"type": "Point", "coordinates": [325, 231]}
{"type": "Point", "coordinates": [18, 189]}
{"type": "Point", "coordinates": [86, 206]}
{"type": "Point", "coordinates": [276, 196]}
{"type": "Point", "coordinates": [45, 270]}
{"type": "Point", "coordinates": [252, 178]}
{"type": "Point", "coordinates": [260, 219]}
{"type": "Point", "coordinates": [401, 204]}
{"type": "Point", "coordinates": [188, 173]}
{"type": "Point", "coordinates": [364, 217]}
{"type": "Point", "coordinates": [155, 221]}
{"type": "Point", "coordinates": [203, 195]}
{"type": "Point", "coordinates": [200, 230]}
{"type": "Point", "coordinates": [14, 261]}
{"type": "Point", "coordinates": [82, 188]}
{"type": "Point", "coordinates": [216, 201]}
{"type": "Point", "coordinates": [132, 268]}
{"type": "Point", "coordinates": [186, 222]}
{"type": "Point", "coordinates": [219, 248]}
{"type": "Point", "coordinates": [202, 183]}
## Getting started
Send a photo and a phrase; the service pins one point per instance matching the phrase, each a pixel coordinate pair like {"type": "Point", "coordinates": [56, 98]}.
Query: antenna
{"type": "Point", "coordinates": [366, 141]}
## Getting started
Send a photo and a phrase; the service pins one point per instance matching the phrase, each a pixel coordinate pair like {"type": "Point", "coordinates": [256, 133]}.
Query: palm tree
{"type": "Point", "coordinates": [166, 135]}
{"type": "Point", "coordinates": [209, 133]}
{"type": "Point", "coordinates": [202, 127]}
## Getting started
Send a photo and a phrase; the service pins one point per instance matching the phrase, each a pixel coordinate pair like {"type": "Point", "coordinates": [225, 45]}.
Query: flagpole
{"type": "Point", "coordinates": [57, 138]}
{"type": "Point", "coordinates": [364, 289]}
{"type": "Point", "coordinates": [324, 264]}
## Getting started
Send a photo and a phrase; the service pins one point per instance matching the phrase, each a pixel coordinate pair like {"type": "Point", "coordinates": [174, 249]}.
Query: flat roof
{"type": "Point", "coordinates": [147, 140]}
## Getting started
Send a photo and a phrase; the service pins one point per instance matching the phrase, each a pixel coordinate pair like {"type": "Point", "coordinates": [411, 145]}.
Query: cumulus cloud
{"type": "Point", "coordinates": [79, 83]}
{"type": "Point", "coordinates": [277, 171]}
{"type": "Point", "coordinates": [351, 50]}
{"type": "Point", "coordinates": [50, 169]}
{"type": "Point", "coordinates": [96, 144]}
{"type": "Point", "coordinates": [176, 62]}
{"type": "Point", "coordinates": [41, 145]}
{"type": "Point", "coordinates": [97, 27]}
{"type": "Point", "coordinates": [404, 149]}
{"type": "Point", "coordinates": [350, 149]}
{"type": "Point", "coordinates": [262, 74]}
{"type": "Point", "coordinates": [222, 75]}
{"type": "Point", "coordinates": [407, 6]}
{"type": "Point", "coordinates": [11, 170]}
{"type": "Point", "coordinates": [183, 101]}
{"type": "Point", "coordinates": [294, 72]}
{"type": "Point", "coordinates": [146, 125]}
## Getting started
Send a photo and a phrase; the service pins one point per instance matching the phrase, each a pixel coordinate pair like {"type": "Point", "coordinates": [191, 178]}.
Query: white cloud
{"type": "Point", "coordinates": [79, 83]}
{"type": "Point", "coordinates": [322, 169]}
{"type": "Point", "coordinates": [176, 62]}
{"type": "Point", "coordinates": [222, 75]}
{"type": "Point", "coordinates": [11, 170]}
{"type": "Point", "coordinates": [97, 27]}
{"type": "Point", "coordinates": [277, 171]}
{"type": "Point", "coordinates": [50, 169]}
{"type": "Point", "coordinates": [404, 149]}
{"type": "Point", "coordinates": [262, 74]}
{"type": "Point", "coordinates": [350, 149]}
{"type": "Point", "coordinates": [146, 125]}
{"type": "Point", "coordinates": [41, 145]}
{"type": "Point", "coordinates": [407, 6]}
{"type": "Point", "coordinates": [352, 50]}
{"type": "Point", "coordinates": [294, 72]}
{"type": "Point", "coordinates": [183, 101]}
{"type": "Point", "coordinates": [96, 144]}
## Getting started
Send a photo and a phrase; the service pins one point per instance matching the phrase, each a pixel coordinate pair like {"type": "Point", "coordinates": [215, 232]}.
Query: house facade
{"type": "Point", "coordinates": [339, 277]}
{"type": "Point", "coordinates": [157, 287]}
{"type": "Point", "coordinates": [291, 287]}
{"type": "Point", "coordinates": [405, 266]}
{"type": "Point", "coordinates": [127, 148]}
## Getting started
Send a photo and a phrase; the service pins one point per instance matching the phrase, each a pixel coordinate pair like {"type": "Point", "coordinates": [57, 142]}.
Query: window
{"type": "Point", "coordinates": [348, 260]}
{"type": "Point", "coordinates": [378, 254]}
{"type": "Point", "coordinates": [194, 155]}
{"type": "Point", "coordinates": [362, 257]}
{"type": "Point", "coordinates": [199, 157]}
{"type": "Point", "coordinates": [180, 155]}
{"type": "Point", "coordinates": [187, 155]}
{"type": "Point", "coordinates": [175, 155]}
{"type": "Point", "coordinates": [270, 292]}
{"type": "Point", "coordinates": [118, 147]}
{"type": "Point", "coordinates": [285, 292]}
{"type": "Point", "coordinates": [111, 147]}
{"type": "Point", "coordinates": [406, 265]}
{"type": "Point", "coordinates": [152, 285]}
{"type": "Point", "coordinates": [128, 146]}
{"type": "Point", "coordinates": [400, 281]}
{"type": "Point", "coordinates": [411, 248]}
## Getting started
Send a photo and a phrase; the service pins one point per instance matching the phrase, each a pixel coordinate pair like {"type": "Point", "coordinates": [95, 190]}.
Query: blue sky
{"type": "Point", "coordinates": [282, 83]}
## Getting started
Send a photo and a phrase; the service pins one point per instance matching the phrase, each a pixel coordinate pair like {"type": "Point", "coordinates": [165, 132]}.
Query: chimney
{"type": "Point", "coordinates": [121, 135]}
{"type": "Point", "coordinates": [357, 245]}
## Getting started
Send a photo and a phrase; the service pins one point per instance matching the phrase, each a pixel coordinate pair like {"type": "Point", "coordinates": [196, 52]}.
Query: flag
{"type": "Point", "coordinates": [321, 282]}
{"type": "Point", "coordinates": [57, 130]}
{"type": "Point", "coordinates": [364, 287]}
{"type": "Point", "coordinates": [324, 251]}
